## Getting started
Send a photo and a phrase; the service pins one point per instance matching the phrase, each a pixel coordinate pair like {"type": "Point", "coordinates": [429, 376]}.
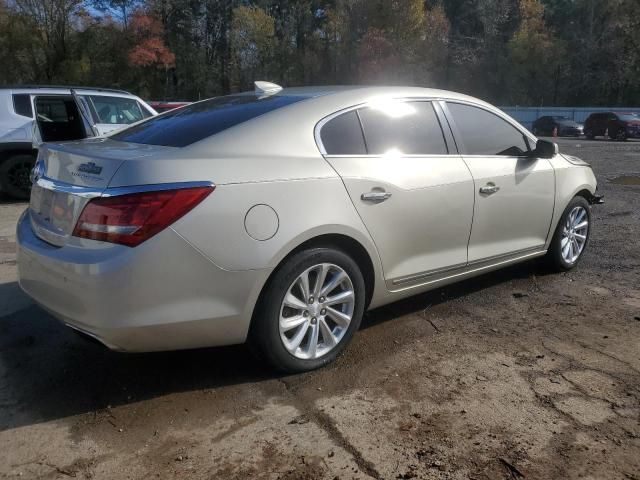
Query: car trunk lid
{"type": "Point", "coordinates": [67, 175]}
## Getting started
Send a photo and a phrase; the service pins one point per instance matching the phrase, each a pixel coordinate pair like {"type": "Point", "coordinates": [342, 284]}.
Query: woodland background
{"type": "Point", "coordinates": [510, 52]}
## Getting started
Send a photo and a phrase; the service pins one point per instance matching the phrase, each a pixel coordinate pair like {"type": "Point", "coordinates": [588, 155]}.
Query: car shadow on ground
{"type": "Point", "coordinates": [48, 372]}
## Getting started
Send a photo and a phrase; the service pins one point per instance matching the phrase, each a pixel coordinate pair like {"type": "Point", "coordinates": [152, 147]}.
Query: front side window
{"type": "Point", "coordinates": [194, 122]}
{"type": "Point", "coordinates": [342, 135]}
{"type": "Point", "coordinates": [116, 110]}
{"type": "Point", "coordinates": [408, 128]}
{"type": "Point", "coordinates": [484, 133]}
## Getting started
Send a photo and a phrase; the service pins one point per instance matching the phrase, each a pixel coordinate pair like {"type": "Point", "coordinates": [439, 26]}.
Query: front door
{"type": "Point", "coordinates": [514, 193]}
{"type": "Point", "coordinates": [414, 197]}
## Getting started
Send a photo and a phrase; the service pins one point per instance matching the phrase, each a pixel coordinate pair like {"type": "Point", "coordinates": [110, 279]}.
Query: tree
{"type": "Point", "coordinates": [252, 45]}
{"type": "Point", "coordinates": [535, 56]}
{"type": "Point", "coordinates": [149, 52]}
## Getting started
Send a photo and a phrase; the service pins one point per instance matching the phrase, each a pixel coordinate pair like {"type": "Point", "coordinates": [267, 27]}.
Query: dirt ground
{"type": "Point", "coordinates": [516, 374]}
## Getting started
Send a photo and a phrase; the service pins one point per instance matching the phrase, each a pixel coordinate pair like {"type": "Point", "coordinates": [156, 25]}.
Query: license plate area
{"type": "Point", "coordinates": [54, 213]}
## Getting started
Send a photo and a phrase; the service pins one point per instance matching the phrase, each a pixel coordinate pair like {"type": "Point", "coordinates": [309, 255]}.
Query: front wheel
{"type": "Point", "coordinates": [309, 311]}
{"type": "Point", "coordinates": [571, 236]}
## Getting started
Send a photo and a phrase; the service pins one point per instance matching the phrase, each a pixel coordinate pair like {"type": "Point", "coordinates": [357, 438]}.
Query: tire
{"type": "Point", "coordinates": [589, 134]}
{"type": "Point", "coordinates": [14, 175]}
{"type": "Point", "coordinates": [621, 135]}
{"type": "Point", "coordinates": [267, 335]}
{"type": "Point", "coordinates": [558, 259]}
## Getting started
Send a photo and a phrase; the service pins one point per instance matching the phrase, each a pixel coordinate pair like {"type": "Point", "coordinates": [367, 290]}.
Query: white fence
{"type": "Point", "coordinates": [527, 115]}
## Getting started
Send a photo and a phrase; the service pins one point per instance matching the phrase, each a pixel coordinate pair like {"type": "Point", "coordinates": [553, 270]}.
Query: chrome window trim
{"type": "Point", "coordinates": [441, 102]}
{"type": "Point", "coordinates": [93, 192]}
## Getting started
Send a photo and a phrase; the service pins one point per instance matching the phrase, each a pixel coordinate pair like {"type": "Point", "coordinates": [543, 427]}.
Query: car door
{"type": "Point", "coordinates": [113, 113]}
{"type": "Point", "coordinates": [59, 117]}
{"type": "Point", "coordinates": [412, 190]}
{"type": "Point", "coordinates": [514, 193]}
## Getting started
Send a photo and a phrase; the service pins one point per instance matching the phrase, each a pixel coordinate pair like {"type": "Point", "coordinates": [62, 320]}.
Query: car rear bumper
{"type": "Point", "coordinates": [161, 295]}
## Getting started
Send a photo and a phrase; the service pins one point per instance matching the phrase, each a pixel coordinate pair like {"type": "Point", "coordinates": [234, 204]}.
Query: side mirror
{"type": "Point", "coordinates": [545, 149]}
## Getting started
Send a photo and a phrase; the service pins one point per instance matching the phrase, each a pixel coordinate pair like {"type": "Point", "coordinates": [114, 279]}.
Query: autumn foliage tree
{"type": "Point", "coordinates": [526, 52]}
{"type": "Point", "coordinates": [149, 52]}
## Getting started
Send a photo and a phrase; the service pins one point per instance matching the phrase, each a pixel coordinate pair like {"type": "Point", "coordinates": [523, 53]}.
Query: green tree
{"type": "Point", "coordinates": [535, 57]}
{"type": "Point", "coordinates": [252, 45]}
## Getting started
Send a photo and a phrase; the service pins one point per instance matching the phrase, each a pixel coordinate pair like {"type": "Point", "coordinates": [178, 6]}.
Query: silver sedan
{"type": "Point", "coordinates": [279, 216]}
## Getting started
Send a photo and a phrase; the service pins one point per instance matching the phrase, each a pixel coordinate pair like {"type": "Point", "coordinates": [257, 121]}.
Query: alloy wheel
{"type": "Point", "coordinates": [574, 234]}
{"type": "Point", "coordinates": [316, 311]}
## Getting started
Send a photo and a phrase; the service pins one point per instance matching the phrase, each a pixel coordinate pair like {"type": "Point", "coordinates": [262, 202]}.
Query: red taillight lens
{"type": "Point", "coordinates": [133, 218]}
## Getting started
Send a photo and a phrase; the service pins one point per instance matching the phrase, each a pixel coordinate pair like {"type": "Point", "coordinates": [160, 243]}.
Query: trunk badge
{"type": "Point", "coordinates": [90, 168]}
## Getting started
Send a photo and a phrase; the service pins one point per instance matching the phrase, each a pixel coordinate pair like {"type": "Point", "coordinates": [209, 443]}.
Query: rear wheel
{"type": "Point", "coordinates": [15, 174]}
{"type": "Point", "coordinates": [589, 134]}
{"type": "Point", "coordinates": [621, 135]}
{"type": "Point", "coordinates": [309, 311]}
{"type": "Point", "coordinates": [571, 236]}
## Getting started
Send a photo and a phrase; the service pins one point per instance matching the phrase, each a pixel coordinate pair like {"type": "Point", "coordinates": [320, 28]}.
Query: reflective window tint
{"type": "Point", "coordinates": [409, 128]}
{"type": "Point", "coordinates": [187, 125]}
{"type": "Point", "coordinates": [342, 135]}
{"type": "Point", "coordinates": [484, 133]}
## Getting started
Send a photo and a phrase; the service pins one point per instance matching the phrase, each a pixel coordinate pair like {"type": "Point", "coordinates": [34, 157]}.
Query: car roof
{"type": "Point", "coordinates": [61, 89]}
{"type": "Point", "coordinates": [292, 128]}
{"type": "Point", "coordinates": [367, 90]}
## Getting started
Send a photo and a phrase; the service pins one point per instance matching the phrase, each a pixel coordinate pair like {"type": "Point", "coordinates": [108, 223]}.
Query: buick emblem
{"type": "Point", "coordinates": [38, 171]}
{"type": "Point", "coordinates": [90, 168]}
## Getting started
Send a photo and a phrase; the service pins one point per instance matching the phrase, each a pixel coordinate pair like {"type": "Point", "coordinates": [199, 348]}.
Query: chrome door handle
{"type": "Point", "coordinates": [489, 189]}
{"type": "Point", "coordinates": [375, 197]}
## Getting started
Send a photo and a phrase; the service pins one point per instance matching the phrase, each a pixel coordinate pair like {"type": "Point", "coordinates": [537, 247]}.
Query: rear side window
{"type": "Point", "coordinates": [342, 135]}
{"type": "Point", "coordinates": [22, 104]}
{"type": "Point", "coordinates": [187, 125]}
{"type": "Point", "coordinates": [484, 133]}
{"type": "Point", "coordinates": [409, 128]}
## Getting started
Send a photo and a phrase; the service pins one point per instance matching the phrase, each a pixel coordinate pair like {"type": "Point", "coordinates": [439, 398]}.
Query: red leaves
{"type": "Point", "coordinates": [150, 49]}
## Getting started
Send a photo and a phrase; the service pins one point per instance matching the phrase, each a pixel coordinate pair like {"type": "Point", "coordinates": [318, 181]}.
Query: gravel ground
{"type": "Point", "coordinates": [516, 374]}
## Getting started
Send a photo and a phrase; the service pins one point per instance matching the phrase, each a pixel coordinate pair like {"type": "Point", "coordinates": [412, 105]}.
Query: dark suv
{"type": "Point", "coordinates": [616, 126]}
{"type": "Point", "coordinates": [563, 126]}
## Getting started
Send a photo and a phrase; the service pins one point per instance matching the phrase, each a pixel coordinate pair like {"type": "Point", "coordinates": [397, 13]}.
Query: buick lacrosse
{"type": "Point", "coordinates": [279, 216]}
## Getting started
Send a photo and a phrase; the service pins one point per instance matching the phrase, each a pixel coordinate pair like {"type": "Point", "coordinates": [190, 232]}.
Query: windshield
{"type": "Point", "coordinates": [187, 125]}
{"type": "Point", "coordinates": [628, 117]}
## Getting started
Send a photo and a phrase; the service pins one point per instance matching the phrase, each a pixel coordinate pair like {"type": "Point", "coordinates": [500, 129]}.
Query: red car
{"type": "Point", "coordinates": [162, 107]}
{"type": "Point", "coordinates": [616, 126]}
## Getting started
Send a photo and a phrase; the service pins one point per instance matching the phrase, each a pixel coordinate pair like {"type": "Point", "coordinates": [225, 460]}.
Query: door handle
{"type": "Point", "coordinates": [489, 189]}
{"type": "Point", "coordinates": [375, 197]}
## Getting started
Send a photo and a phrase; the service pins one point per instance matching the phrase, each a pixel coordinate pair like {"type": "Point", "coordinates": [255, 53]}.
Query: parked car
{"type": "Point", "coordinates": [617, 126]}
{"type": "Point", "coordinates": [56, 111]}
{"type": "Point", "coordinates": [280, 216]}
{"type": "Point", "coordinates": [162, 107]}
{"type": "Point", "coordinates": [561, 126]}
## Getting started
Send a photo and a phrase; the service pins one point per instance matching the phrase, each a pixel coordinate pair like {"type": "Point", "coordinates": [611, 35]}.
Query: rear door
{"type": "Point", "coordinates": [514, 193]}
{"type": "Point", "coordinates": [409, 185]}
{"type": "Point", "coordinates": [59, 118]}
{"type": "Point", "coordinates": [113, 113]}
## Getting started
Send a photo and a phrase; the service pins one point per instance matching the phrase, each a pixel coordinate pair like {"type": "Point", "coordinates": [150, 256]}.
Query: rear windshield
{"type": "Point", "coordinates": [187, 125]}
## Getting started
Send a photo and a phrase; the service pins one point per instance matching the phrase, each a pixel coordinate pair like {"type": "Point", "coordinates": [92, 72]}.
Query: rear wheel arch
{"type": "Point", "coordinates": [348, 245]}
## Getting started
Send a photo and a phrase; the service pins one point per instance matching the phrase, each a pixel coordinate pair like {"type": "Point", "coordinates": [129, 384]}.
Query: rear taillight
{"type": "Point", "coordinates": [133, 218]}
